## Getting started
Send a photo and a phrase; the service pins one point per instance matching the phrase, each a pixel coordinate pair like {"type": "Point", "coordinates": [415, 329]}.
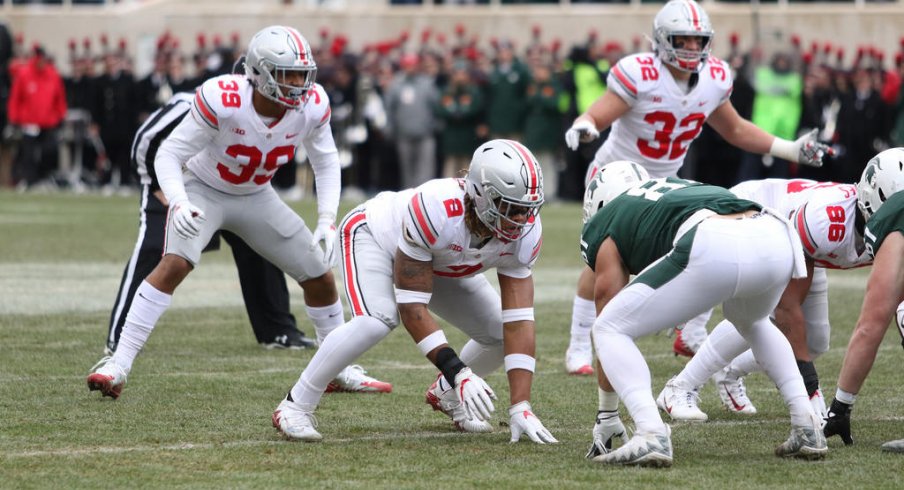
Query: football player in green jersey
{"type": "Point", "coordinates": [691, 246]}
{"type": "Point", "coordinates": [882, 203]}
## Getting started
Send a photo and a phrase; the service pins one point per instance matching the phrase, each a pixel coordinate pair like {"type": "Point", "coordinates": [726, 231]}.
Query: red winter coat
{"type": "Point", "coordinates": [37, 96]}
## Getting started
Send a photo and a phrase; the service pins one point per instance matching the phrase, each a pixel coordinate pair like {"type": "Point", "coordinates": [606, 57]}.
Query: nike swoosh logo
{"type": "Point", "coordinates": [503, 254]}
{"type": "Point", "coordinates": [733, 402]}
{"type": "Point", "coordinates": [668, 408]}
{"type": "Point", "coordinates": [334, 314]}
{"type": "Point", "coordinates": [290, 136]}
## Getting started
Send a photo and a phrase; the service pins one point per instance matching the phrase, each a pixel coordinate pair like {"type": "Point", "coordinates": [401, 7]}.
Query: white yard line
{"type": "Point", "coordinates": [41, 288]}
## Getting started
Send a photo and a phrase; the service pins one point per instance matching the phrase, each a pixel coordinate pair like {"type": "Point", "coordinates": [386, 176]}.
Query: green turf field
{"type": "Point", "coordinates": [196, 410]}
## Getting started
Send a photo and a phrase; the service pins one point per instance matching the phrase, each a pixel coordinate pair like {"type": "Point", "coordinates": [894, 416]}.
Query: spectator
{"type": "Point", "coordinates": [862, 129]}
{"type": "Point", "coordinates": [461, 107]}
{"type": "Point", "coordinates": [542, 119]}
{"type": "Point", "coordinates": [506, 90]}
{"type": "Point", "coordinates": [409, 107]}
{"type": "Point", "coordinates": [37, 104]}
{"type": "Point", "coordinates": [115, 120]}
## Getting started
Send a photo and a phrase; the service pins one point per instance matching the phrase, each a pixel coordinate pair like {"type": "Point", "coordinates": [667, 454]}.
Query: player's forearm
{"type": "Point", "coordinates": [860, 355]}
{"type": "Point", "coordinates": [520, 346]}
{"type": "Point", "coordinates": [791, 322]}
{"type": "Point", "coordinates": [187, 140]}
{"type": "Point", "coordinates": [324, 159]}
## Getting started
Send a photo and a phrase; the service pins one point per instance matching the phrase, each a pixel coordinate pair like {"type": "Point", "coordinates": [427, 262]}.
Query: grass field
{"type": "Point", "coordinates": [196, 410]}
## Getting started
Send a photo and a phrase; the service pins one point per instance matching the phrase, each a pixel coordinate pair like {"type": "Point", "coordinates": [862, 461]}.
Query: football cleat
{"type": "Point", "coordinates": [683, 345]}
{"type": "Point", "coordinates": [295, 423]}
{"type": "Point", "coordinates": [819, 406]}
{"type": "Point", "coordinates": [606, 430]}
{"type": "Point", "coordinates": [579, 360]}
{"type": "Point", "coordinates": [644, 449]}
{"type": "Point", "coordinates": [894, 446]}
{"type": "Point", "coordinates": [805, 442]}
{"type": "Point", "coordinates": [107, 377]}
{"type": "Point", "coordinates": [680, 402]}
{"type": "Point", "coordinates": [732, 392]}
{"type": "Point", "coordinates": [292, 340]}
{"type": "Point", "coordinates": [354, 379]}
{"type": "Point", "coordinates": [838, 422]}
{"type": "Point", "coordinates": [447, 402]}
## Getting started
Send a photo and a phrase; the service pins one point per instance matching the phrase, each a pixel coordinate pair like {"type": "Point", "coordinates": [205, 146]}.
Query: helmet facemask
{"type": "Point", "coordinates": [281, 84]}
{"type": "Point", "coordinates": [682, 18]}
{"type": "Point", "coordinates": [509, 219]}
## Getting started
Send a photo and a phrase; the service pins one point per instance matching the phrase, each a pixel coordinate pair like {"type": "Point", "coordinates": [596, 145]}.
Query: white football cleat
{"type": "Point", "coordinates": [295, 423]}
{"type": "Point", "coordinates": [733, 393]}
{"type": "Point", "coordinates": [354, 379]}
{"type": "Point", "coordinates": [448, 403]}
{"type": "Point", "coordinates": [680, 402]}
{"type": "Point", "coordinates": [644, 449]}
{"type": "Point", "coordinates": [805, 442]}
{"type": "Point", "coordinates": [107, 377]}
{"type": "Point", "coordinates": [819, 407]}
{"type": "Point", "coordinates": [579, 359]}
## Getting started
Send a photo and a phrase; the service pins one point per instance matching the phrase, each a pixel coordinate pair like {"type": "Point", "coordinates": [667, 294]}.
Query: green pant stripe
{"type": "Point", "coordinates": [673, 264]}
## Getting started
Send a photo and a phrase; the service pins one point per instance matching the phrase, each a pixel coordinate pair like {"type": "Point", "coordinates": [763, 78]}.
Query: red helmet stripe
{"type": "Point", "coordinates": [532, 174]}
{"type": "Point", "coordinates": [302, 52]}
{"type": "Point", "coordinates": [695, 17]}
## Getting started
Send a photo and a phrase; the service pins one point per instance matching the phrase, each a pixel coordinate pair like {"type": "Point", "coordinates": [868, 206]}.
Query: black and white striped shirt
{"type": "Point", "coordinates": [154, 130]}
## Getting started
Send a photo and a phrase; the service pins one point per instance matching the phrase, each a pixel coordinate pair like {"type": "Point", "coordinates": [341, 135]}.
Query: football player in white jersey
{"type": "Point", "coordinates": [407, 254]}
{"type": "Point", "coordinates": [825, 216]}
{"type": "Point", "coordinates": [881, 200]}
{"type": "Point", "coordinates": [656, 104]}
{"type": "Point", "coordinates": [241, 129]}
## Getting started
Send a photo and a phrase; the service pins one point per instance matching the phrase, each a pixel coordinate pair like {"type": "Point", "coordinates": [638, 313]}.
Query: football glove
{"type": "Point", "coordinates": [474, 394]}
{"type": "Point", "coordinates": [811, 151]}
{"type": "Point", "coordinates": [326, 233]}
{"type": "Point", "coordinates": [608, 427]}
{"type": "Point", "coordinates": [581, 132]}
{"type": "Point", "coordinates": [187, 219]}
{"type": "Point", "coordinates": [839, 422]}
{"type": "Point", "coordinates": [523, 421]}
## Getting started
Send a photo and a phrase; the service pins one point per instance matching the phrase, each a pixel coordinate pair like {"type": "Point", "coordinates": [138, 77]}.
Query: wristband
{"type": "Point", "coordinates": [517, 315]}
{"type": "Point", "coordinates": [404, 296]}
{"type": "Point", "coordinates": [784, 149]}
{"type": "Point", "coordinates": [432, 341]}
{"type": "Point", "coordinates": [448, 362]}
{"type": "Point", "coordinates": [520, 407]}
{"type": "Point", "coordinates": [520, 361]}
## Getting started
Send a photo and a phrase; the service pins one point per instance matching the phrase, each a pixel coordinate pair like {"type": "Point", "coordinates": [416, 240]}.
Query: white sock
{"type": "Point", "coordinates": [723, 344]}
{"type": "Point", "coordinates": [338, 350]}
{"type": "Point", "coordinates": [774, 354]}
{"type": "Point", "coordinates": [482, 359]}
{"type": "Point", "coordinates": [744, 364]}
{"type": "Point", "coordinates": [583, 314]}
{"type": "Point", "coordinates": [325, 318]}
{"type": "Point", "coordinates": [608, 400]}
{"type": "Point", "coordinates": [147, 307]}
{"type": "Point", "coordinates": [630, 376]}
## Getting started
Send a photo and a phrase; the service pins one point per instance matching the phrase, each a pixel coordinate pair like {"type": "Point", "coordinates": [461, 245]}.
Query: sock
{"type": "Point", "coordinates": [744, 364]}
{"type": "Point", "coordinates": [723, 344]}
{"type": "Point", "coordinates": [325, 319]}
{"type": "Point", "coordinates": [811, 379]}
{"type": "Point", "coordinates": [147, 307]}
{"type": "Point", "coordinates": [338, 350]}
{"type": "Point", "coordinates": [774, 353]}
{"type": "Point", "coordinates": [608, 400]}
{"type": "Point", "coordinates": [481, 358]}
{"type": "Point", "coordinates": [845, 397]}
{"type": "Point", "coordinates": [583, 313]}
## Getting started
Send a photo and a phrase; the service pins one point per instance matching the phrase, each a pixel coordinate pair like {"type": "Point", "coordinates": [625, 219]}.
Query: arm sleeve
{"type": "Point", "coordinates": [324, 158]}
{"type": "Point", "coordinates": [187, 140]}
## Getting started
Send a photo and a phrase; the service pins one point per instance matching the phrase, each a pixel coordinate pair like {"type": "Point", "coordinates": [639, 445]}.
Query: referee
{"type": "Point", "coordinates": [263, 284]}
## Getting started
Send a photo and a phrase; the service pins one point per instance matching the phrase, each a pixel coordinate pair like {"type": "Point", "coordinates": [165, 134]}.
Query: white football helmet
{"type": "Point", "coordinates": [505, 183]}
{"type": "Point", "coordinates": [682, 18]}
{"type": "Point", "coordinates": [273, 53]}
{"type": "Point", "coordinates": [882, 177]}
{"type": "Point", "coordinates": [611, 180]}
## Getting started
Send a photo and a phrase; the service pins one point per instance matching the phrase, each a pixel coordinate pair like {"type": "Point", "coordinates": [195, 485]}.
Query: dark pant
{"type": "Point", "coordinates": [38, 157]}
{"type": "Point", "coordinates": [263, 284]}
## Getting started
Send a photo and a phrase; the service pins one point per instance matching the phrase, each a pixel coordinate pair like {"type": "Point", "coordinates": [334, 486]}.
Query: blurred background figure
{"type": "Point", "coordinates": [36, 106]}
{"type": "Point", "coordinates": [461, 108]}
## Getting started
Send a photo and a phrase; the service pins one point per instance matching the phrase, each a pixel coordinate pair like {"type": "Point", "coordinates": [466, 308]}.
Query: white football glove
{"type": "Point", "coordinates": [187, 219]}
{"type": "Point", "coordinates": [474, 394]}
{"type": "Point", "coordinates": [606, 431]}
{"type": "Point", "coordinates": [580, 132]}
{"type": "Point", "coordinates": [326, 233]}
{"type": "Point", "coordinates": [523, 421]}
{"type": "Point", "coordinates": [810, 150]}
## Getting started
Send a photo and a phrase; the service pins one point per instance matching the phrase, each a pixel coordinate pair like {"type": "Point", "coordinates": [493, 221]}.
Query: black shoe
{"type": "Point", "coordinates": [839, 422]}
{"type": "Point", "coordinates": [293, 339]}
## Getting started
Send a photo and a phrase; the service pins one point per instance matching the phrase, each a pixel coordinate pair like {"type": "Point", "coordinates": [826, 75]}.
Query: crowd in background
{"type": "Point", "coordinates": [411, 108]}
